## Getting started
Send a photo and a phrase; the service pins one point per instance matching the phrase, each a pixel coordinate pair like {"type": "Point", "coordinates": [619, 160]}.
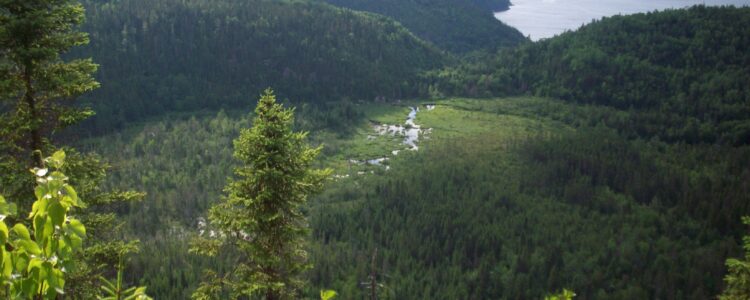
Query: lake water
{"type": "Point", "coordinates": [546, 18]}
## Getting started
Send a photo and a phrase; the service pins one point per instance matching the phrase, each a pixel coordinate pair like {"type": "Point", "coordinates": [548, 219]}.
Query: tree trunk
{"type": "Point", "coordinates": [36, 136]}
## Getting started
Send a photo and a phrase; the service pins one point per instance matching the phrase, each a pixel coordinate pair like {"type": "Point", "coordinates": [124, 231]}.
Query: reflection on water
{"type": "Point", "coordinates": [546, 18]}
{"type": "Point", "coordinates": [410, 131]}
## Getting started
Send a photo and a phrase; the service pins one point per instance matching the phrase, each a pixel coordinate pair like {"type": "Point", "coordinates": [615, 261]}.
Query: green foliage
{"type": "Point", "coordinates": [37, 88]}
{"type": "Point", "coordinates": [260, 215]}
{"type": "Point", "coordinates": [327, 294]}
{"type": "Point", "coordinates": [458, 26]}
{"type": "Point", "coordinates": [737, 279]}
{"type": "Point", "coordinates": [505, 202]}
{"type": "Point", "coordinates": [493, 5]}
{"type": "Point", "coordinates": [564, 295]}
{"type": "Point", "coordinates": [166, 56]}
{"type": "Point", "coordinates": [681, 74]}
{"type": "Point", "coordinates": [34, 263]}
{"type": "Point", "coordinates": [545, 198]}
{"type": "Point", "coordinates": [116, 290]}
{"type": "Point", "coordinates": [36, 84]}
{"type": "Point", "coordinates": [182, 162]}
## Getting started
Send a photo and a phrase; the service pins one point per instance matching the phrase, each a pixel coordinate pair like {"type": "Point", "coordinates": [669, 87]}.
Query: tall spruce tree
{"type": "Point", "coordinates": [260, 215]}
{"type": "Point", "coordinates": [36, 84]}
{"type": "Point", "coordinates": [37, 92]}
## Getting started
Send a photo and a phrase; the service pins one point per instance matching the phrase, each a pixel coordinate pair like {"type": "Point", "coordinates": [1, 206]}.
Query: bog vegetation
{"type": "Point", "coordinates": [611, 162]}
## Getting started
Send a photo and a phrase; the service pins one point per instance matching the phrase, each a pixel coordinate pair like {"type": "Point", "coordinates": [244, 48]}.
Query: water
{"type": "Point", "coordinates": [546, 18]}
{"type": "Point", "coordinates": [411, 132]}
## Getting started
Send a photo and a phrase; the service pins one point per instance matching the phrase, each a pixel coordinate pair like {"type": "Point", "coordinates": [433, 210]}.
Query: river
{"type": "Point", "coordinates": [540, 19]}
{"type": "Point", "coordinates": [410, 131]}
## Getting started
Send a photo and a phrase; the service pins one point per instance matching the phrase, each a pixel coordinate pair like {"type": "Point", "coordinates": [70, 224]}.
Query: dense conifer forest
{"type": "Point", "coordinates": [407, 150]}
{"type": "Point", "coordinates": [167, 56]}
{"type": "Point", "coordinates": [683, 71]}
{"type": "Point", "coordinates": [455, 25]}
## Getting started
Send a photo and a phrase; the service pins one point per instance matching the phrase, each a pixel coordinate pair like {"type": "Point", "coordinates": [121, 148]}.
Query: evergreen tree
{"type": "Point", "coordinates": [36, 84]}
{"type": "Point", "coordinates": [37, 89]}
{"type": "Point", "coordinates": [260, 217]}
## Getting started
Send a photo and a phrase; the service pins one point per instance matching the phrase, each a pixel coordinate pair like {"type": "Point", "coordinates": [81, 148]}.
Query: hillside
{"type": "Point", "coordinates": [456, 25]}
{"type": "Point", "coordinates": [465, 162]}
{"type": "Point", "coordinates": [684, 71]}
{"type": "Point", "coordinates": [168, 55]}
{"type": "Point", "coordinates": [506, 198]}
{"type": "Point", "coordinates": [602, 189]}
{"type": "Point", "coordinates": [493, 5]}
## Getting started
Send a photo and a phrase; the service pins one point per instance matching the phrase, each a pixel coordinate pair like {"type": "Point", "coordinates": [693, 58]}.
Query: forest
{"type": "Point", "coordinates": [170, 56]}
{"type": "Point", "coordinates": [454, 25]}
{"type": "Point", "coordinates": [405, 150]}
{"type": "Point", "coordinates": [682, 72]}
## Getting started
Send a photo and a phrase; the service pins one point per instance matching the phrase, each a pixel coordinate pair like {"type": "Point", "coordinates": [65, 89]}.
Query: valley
{"type": "Point", "coordinates": [497, 145]}
{"type": "Point", "coordinates": [363, 149]}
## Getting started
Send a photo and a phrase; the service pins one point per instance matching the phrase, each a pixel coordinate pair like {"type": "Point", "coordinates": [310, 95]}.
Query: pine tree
{"type": "Point", "coordinates": [37, 92]}
{"type": "Point", "coordinates": [260, 215]}
{"type": "Point", "coordinates": [36, 84]}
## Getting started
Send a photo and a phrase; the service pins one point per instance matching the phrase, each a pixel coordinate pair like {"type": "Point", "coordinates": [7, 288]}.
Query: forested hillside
{"type": "Point", "coordinates": [613, 161]}
{"type": "Point", "coordinates": [604, 191]}
{"type": "Point", "coordinates": [510, 198]}
{"type": "Point", "coordinates": [684, 72]}
{"type": "Point", "coordinates": [493, 5]}
{"type": "Point", "coordinates": [459, 26]}
{"type": "Point", "coordinates": [168, 55]}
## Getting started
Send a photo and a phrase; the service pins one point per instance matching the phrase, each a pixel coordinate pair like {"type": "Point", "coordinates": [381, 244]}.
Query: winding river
{"type": "Point", "coordinates": [410, 130]}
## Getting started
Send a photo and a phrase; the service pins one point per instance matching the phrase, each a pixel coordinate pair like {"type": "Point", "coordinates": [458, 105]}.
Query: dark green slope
{"type": "Point", "coordinates": [456, 25]}
{"type": "Point", "coordinates": [457, 223]}
{"type": "Point", "coordinates": [684, 71]}
{"type": "Point", "coordinates": [493, 5]}
{"type": "Point", "coordinates": [162, 56]}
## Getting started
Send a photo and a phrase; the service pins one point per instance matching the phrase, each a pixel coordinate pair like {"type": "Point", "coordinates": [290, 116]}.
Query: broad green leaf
{"type": "Point", "coordinates": [34, 263]}
{"type": "Point", "coordinates": [6, 209]}
{"type": "Point", "coordinates": [3, 233]}
{"type": "Point", "coordinates": [77, 227]}
{"type": "Point", "coordinates": [39, 207]}
{"type": "Point", "coordinates": [50, 247]}
{"type": "Point", "coordinates": [39, 232]}
{"type": "Point", "coordinates": [28, 286]}
{"type": "Point", "coordinates": [327, 294]}
{"type": "Point", "coordinates": [57, 214]}
{"type": "Point", "coordinates": [21, 231]}
{"type": "Point", "coordinates": [71, 192]}
{"type": "Point", "coordinates": [29, 246]}
{"type": "Point", "coordinates": [56, 280]}
{"type": "Point", "coordinates": [63, 247]}
{"type": "Point", "coordinates": [72, 240]}
{"type": "Point", "coordinates": [57, 159]}
{"type": "Point", "coordinates": [7, 265]}
{"type": "Point", "coordinates": [20, 259]}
